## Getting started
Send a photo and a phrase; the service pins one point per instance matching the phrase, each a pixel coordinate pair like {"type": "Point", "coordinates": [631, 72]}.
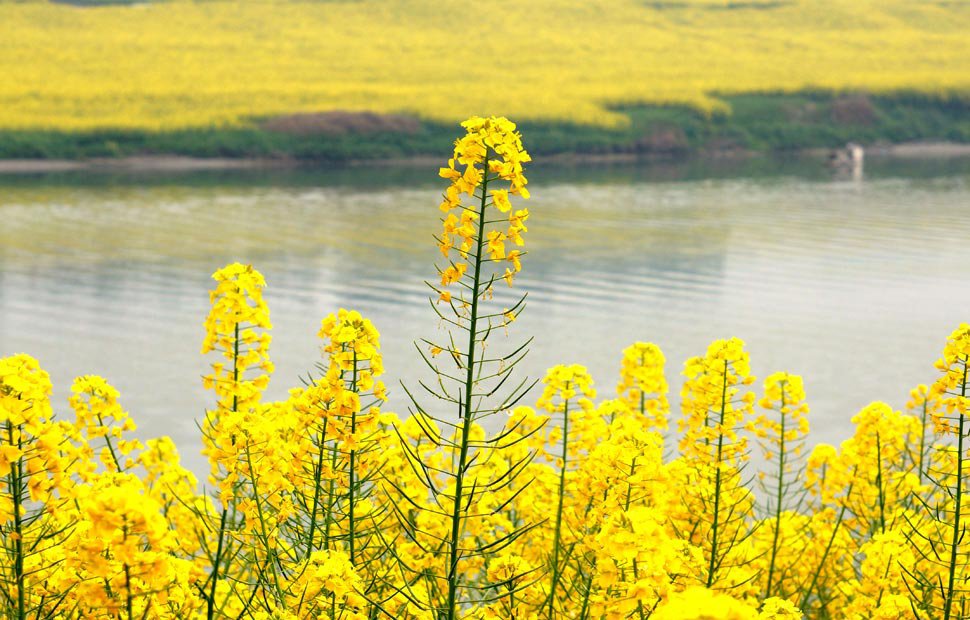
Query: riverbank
{"type": "Point", "coordinates": [178, 164]}
{"type": "Point", "coordinates": [903, 124]}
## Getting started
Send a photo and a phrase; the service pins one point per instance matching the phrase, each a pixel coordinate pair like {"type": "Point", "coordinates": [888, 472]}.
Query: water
{"type": "Point", "coordinates": [854, 285]}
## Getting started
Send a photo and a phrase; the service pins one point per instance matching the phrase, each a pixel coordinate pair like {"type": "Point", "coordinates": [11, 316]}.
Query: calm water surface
{"type": "Point", "coordinates": [853, 284]}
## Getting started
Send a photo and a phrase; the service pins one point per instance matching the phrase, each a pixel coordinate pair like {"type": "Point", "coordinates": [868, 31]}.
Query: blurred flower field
{"type": "Point", "coordinates": [178, 64]}
{"type": "Point", "coordinates": [483, 498]}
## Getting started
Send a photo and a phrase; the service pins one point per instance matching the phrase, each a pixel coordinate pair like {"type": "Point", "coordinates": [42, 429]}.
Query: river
{"type": "Point", "coordinates": [853, 284]}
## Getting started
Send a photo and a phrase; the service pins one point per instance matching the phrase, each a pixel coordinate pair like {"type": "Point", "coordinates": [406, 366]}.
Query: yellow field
{"type": "Point", "coordinates": [181, 64]}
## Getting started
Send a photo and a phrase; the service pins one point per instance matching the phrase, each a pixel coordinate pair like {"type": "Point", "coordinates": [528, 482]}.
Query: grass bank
{"type": "Point", "coordinates": [756, 122]}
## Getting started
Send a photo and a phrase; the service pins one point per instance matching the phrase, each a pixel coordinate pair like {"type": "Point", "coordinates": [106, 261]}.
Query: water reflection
{"type": "Point", "coordinates": [854, 285]}
{"type": "Point", "coordinates": [421, 173]}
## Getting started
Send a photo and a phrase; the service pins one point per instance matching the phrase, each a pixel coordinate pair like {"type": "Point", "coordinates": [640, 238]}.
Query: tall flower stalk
{"type": "Point", "coordinates": [25, 417]}
{"type": "Point", "coordinates": [487, 167]}
{"type": "Point", "coordinates": [643, 385]}
{"type": "Point", "coordinates": [782, 437]}
{"type": "Point", "coordinates": [236, 329]}
{"type": "Point", "coordinates": [715, 410]}
{"type": "Point", "coordinates": [938, 534]}
{"type": "Point", "coordinates": [347, 431]}
{"type": "Point", "coordinates": [564, 386]}
{"type": "Point", "coordinates": [922, 404]}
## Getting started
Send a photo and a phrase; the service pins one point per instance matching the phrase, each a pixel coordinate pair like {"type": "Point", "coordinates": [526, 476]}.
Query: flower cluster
{"type": "Point", "coordinates": [101, 417]}
{"type": "Point", "coordinates": [490, 151]}
{"type": "Point", "coordinates": [784, 396]}
{"type": "Point", "coordinates": [232, 329]}
{"type": "Point", "coordinates": [952, 389]}
{"type": "Point", "coordinates": [122, 553]}
{"type": "Point", "coordinates": [714, 407]}
{"type": "Point", "coordinates": [353, 345]}
{"type": "Point", "coordinates": [643, 386]}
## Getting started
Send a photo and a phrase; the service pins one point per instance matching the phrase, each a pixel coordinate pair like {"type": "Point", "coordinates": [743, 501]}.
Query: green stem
{"type": "Point", "coordinates": [828, 547]}
{"type": "Point", "coordinates": [270, 554]}
{"type": "Point", "coordinates": [879, 480]}
{"type": "Point", "coordinates": [16, 490]}
{"type": "Point", "coordinates": [317, 473]}
{"type": "Point", "coordinates": [717, 480]}
{"type": "Point", "coordinates": [562, 493]}
{"type": "Point", "coordinates": [584, 608]}
{"type": "Point", "coordinates": [129, 602]}
{"type": "Point", "coordinates": [111, 449]}
{"type": "Point", "coordinates": [512, 611]}
{"type": "Point", "coordinates": [331, 500]}
{"type": "Point", "coordinates": [456, 520]}
{"type": "Point", "coordinates": [129, 599]}
{"type": "Point", "coordinates": [957, 501]}
{"type": "Point", "coordinates": [626, 508]}
{"type": "Point", "coordinates": [643, 397]}
{"type": "Point", "coordinates": [353, 478]}
{"type": "Point", "coordinates": [778, 498]}
{"type": "Point", "coordinates": [211, 603]}
{"type": "Point", "coordinates": [922, 439]}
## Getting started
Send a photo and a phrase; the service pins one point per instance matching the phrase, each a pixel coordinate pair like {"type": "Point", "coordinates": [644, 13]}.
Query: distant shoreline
{"type": "Point", "coordinates": [141, 163]}
{"type": "Point", "coordinates": [178, 163]}
{"type": "Point", "coordinates": [812, 123]}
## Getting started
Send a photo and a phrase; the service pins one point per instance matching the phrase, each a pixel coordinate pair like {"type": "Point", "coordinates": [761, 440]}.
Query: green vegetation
{"type": "Point", "coordinates": [761, 122]}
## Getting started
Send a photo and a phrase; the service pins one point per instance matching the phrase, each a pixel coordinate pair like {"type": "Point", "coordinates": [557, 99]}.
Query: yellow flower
{"type": "Point", "coordinates": [496, 245]}
{"type": "Point", "coordinates": [100, 416]}
{"type": "Point", "coordinates": [501, 199]}
{"type": "Point", "coordinates": [714, 406]}
{"type": "Point", "coordinates": [696, 603]}
{"type": "Point", "coordinates": [564, 383]}
{"type": "Point", "coordinates": [453, 273]}
{"type": "Point", "coordinates": [25, 390]}
{"type": "Point", "coordinates": [643, 386]}
{"type": "Point", "coordinates": [952, 389]}
{"type": "Point", "coordinates": [496, 140]}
